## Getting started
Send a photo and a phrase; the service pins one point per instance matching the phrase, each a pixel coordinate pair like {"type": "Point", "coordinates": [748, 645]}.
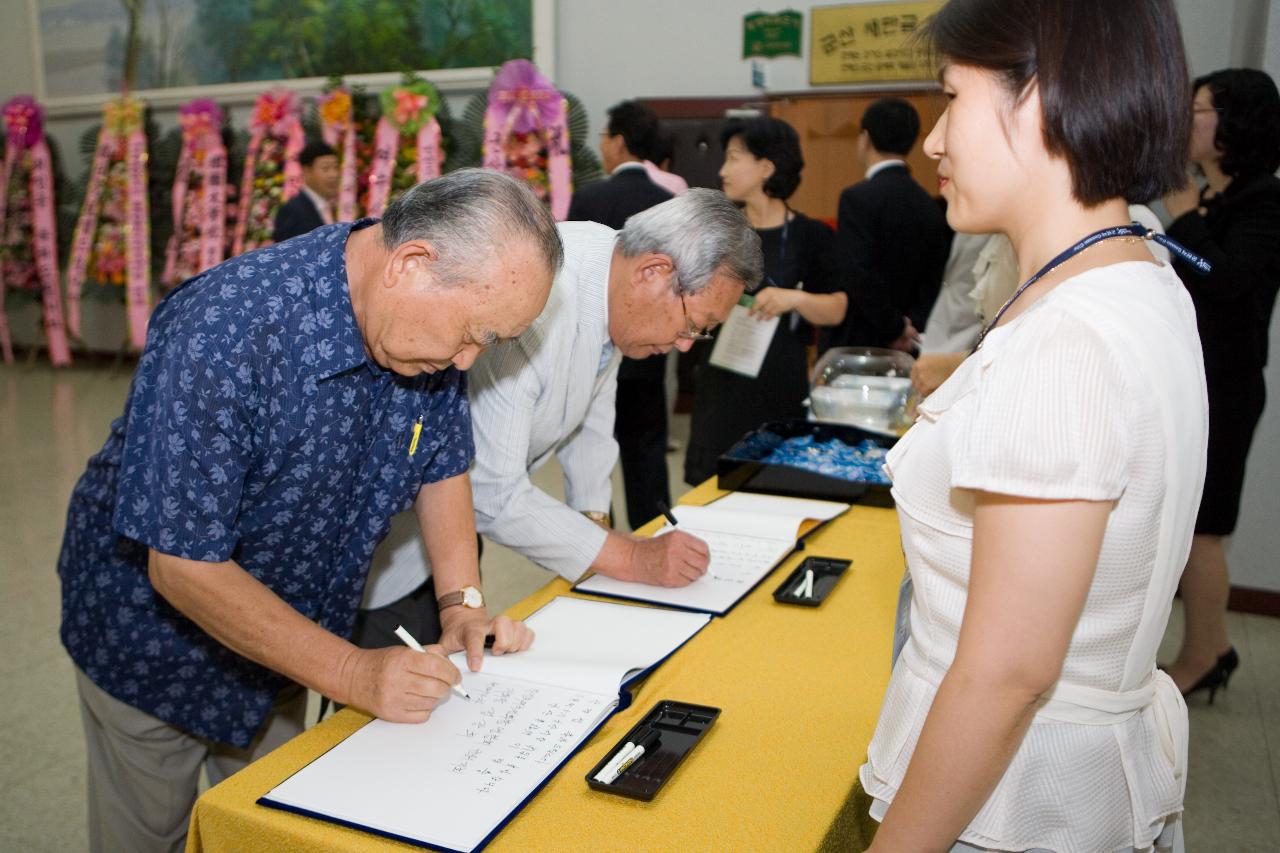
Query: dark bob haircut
{"type": "Point", "coordinates": [774, 140]}
{"type": "Point", "coordinates": [314, 150]}
{"type": "Point", "coordinates": [1112, 79]}
{"type": "Point", "coordinates": [1248, 107]}
{"type": "Point", "coordinates": [893, 125]}
{"type": "Point", "coordinates": [638, 127]}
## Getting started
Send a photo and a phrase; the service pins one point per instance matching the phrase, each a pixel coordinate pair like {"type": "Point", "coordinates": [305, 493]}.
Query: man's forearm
{"type": "Point", "coordinates": [448, 523]}
{"type": "Point", "coordinates": [239, 611]}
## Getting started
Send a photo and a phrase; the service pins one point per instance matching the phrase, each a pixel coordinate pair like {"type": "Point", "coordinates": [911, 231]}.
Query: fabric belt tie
{"type": "Point", "coordinates": [1091, 706]}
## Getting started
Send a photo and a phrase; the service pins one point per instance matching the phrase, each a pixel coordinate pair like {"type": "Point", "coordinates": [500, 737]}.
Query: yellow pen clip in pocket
{"type": "Point", "coordinates": [417, 433]}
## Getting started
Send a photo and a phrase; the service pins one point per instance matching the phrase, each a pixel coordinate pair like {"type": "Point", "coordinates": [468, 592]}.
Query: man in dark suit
{"type": "Point", "coordinates": [640, 423]}
{"type": "Point", "coordinates": [313, 205]}
{"type": "Point", "coordinates": [892, 238]}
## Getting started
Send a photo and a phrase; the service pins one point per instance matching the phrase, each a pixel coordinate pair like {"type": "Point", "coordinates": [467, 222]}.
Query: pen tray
{"type": "Point", "coordinates": [680, 726]}
{"type": "Point", "coordinates": [826, 573]}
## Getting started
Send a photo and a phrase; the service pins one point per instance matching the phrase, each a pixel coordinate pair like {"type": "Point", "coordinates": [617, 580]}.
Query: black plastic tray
{"type": "Point", "coordinates": [680, 725]}
{"type": "Point", "coordinates": [826, 572]}
{"type": "Point", "coordinates": [737, 471]}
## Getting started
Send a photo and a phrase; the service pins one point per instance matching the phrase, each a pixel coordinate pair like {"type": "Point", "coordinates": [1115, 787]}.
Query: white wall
{"type": "Point", "coordinates": [610, 51]}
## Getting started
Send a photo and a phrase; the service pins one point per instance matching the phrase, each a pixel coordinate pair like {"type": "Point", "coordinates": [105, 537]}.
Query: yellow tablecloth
{"type": "Point", "coordinates": [800, 690]}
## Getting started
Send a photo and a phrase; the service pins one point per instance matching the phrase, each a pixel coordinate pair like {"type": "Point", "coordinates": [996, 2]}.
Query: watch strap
{"type": "Point", "coordinates": [450, 599]}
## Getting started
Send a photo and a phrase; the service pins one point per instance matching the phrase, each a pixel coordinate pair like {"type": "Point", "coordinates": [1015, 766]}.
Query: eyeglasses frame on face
{"type": "Point", "coordinates": [691, 332]}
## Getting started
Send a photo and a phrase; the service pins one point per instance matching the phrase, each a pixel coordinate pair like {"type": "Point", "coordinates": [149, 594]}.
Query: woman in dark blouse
{"type": "Point", "coordinates": [761, 170]}
{"type": "Point", "coordinates": [1234, 222]}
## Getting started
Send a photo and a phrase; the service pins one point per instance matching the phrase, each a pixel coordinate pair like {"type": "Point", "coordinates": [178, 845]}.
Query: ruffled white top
{"type": "Point", "coordinates": [1096, 392]}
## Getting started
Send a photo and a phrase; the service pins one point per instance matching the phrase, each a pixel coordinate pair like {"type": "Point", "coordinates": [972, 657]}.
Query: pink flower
{"type": "Point", "coordinates": [409, 105]}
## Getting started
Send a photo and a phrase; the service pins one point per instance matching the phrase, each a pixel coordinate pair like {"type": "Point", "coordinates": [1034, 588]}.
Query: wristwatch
{"type": "Point", "coordinates": [468, 597]}
{"type": "Point", "coordinates": [600, 518]}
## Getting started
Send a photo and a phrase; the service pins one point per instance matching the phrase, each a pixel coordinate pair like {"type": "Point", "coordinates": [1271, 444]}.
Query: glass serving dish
{"type": "Point", "coordinates": [866, 387]}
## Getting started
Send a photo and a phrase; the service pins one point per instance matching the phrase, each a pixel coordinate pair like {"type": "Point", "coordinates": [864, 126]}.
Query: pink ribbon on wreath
{"type": "Point", "coordinates": [25, 128]}
{"type": "Point", "coordinates": [349, 180]}
{"type": "Point", "coordinates": [386, 139]}
{"type": "Point", "coordinates": [6, 172]}
{"type": "Point", "coordinates": [430, 154]}
{"type": "Point", "coordinates": [523, 100]}
{"type": "Point", "coordinates": [137, 239]}
{"type": "Point", "coordinates": [275, 114]}
{"type": "Point", "coordinates": [201, 123]}
{"type": "Point", "coordinates": [86, 225]}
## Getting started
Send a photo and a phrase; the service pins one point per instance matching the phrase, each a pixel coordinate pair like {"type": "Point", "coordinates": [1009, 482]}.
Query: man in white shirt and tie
{"type": "Point", "coordinates": [313, 205]}
{"type": "Point", "coordinates": [673, 272]}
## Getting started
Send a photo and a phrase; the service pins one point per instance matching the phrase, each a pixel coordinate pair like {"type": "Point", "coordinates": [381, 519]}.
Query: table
{"type": "Point", "coordinates": [800, 690]}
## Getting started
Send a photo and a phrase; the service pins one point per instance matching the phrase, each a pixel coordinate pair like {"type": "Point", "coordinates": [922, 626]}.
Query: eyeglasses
{"type": "Point", "coordinates": [691, 332]}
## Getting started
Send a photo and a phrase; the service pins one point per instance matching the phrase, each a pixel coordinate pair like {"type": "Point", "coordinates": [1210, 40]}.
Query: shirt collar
{"type": "Point", "coordinates": [322, 206]}
{"type": "Point", "coordinates": [630, 164]}
{"type": "Point", "coordinates": [882, 165]}
{"type": "Point", "coordinates": [342, 349]}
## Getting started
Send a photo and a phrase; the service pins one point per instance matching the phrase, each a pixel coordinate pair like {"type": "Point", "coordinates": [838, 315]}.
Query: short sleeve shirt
{"type": "Point", "coordinates": [256, 430]}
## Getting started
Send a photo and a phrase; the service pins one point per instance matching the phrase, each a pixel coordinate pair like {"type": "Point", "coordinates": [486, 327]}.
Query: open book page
{"type": "Point", "coordinates": [450, 781]}
{"type": "Point", "coordinates": [592, 645]}
{"type": "Point", "coordinates": [801, 508]}
{"type": "Point", "coordinates": [744, 547]}
{"type": "Point", "coordinates": [761, 525]}
{"type": "Point", "coordinates": [743, 341]}
{"type": "Point", "coordinates": [737, 563]}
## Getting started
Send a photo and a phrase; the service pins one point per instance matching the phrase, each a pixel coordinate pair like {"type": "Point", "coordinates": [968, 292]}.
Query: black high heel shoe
{"type": "Point", "coordinates": [1218, 676]}
{"type": "Point", "coordinates": [1228, 663]}
{"type": "Point", "coordinates": [1213, 679]}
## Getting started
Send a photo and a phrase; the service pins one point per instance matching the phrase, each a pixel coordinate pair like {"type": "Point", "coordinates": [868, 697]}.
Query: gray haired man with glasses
{"type": "Point", "coordinates": [670, 275]}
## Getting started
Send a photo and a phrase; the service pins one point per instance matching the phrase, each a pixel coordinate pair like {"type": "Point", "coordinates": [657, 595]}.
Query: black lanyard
{"type": "Point", "coordinates": [1133, 229]}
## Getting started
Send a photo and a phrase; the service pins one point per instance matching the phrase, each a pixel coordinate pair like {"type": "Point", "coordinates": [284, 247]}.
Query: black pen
{"type": "Point", "coordinates": [666, 511]}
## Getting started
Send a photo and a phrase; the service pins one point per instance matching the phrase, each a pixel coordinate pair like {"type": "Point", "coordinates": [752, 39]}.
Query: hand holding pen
{"type": "Point", "coordinates": [397, 684]}
{"type": "Point", "coordinates": [673, 559]}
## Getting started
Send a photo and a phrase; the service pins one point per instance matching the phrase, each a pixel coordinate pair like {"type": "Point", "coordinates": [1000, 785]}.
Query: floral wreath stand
{"type": "Point", "coordinates": [29, 251]}
{"type": "Point", "coordinates": [526, 133]}
{"type": "Point", "coordinates": [119, 248]}
{"type": "Point", "coordinates": [407, 147]}
{"type": "Point", "coordinates": [272, 174]}
{"type": "Point", "coordinates": [199, 239]}
{"type": "Point", "coordinates": [338, 128]}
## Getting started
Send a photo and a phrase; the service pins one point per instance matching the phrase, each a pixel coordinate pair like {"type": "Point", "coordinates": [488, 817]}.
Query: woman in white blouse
{"type": "Point", "coordinates": [1048, 489]}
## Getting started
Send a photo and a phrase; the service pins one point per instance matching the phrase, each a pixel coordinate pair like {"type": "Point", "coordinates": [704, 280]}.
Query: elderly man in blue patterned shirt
{"type": "Point", "coordinates": [287, 404]}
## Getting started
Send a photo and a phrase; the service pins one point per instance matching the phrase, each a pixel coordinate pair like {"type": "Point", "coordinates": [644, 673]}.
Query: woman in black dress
{"type": "Point", "coordinates": [1234, 223]}
{"type": "Point", "coordinates": [761, 170]}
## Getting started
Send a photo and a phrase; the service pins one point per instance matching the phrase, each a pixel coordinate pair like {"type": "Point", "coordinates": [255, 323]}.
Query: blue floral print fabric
{"type": "Point", "coordinates": [256, 430]}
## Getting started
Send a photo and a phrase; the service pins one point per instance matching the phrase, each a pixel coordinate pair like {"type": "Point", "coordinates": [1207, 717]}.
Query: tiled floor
{"type": "Point", "coordinates": [51, 422]}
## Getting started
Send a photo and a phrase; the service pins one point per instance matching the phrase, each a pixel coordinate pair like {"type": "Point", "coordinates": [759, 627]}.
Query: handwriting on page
{"type": "Point", "coordinates": [739, 559]}
{"type": "Point", "coordinates": [509, 729]}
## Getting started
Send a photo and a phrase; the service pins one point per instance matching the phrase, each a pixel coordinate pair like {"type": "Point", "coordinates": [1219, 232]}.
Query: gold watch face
{"type": "Point", "coordinates": [472, 598]}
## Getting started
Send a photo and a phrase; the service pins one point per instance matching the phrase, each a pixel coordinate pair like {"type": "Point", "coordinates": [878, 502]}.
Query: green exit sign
{"type": "Point", "coordinates": [766, 35]}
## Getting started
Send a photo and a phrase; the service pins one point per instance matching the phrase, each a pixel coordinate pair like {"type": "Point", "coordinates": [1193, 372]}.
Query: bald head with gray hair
{"type": "Point", "coordinates": [471, 214]}
{"type": "Point", "coordinates": [703, 233]}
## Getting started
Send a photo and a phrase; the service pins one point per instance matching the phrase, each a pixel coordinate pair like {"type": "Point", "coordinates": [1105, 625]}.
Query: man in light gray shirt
{"type": "Point", "coordinates": [671, 274]}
